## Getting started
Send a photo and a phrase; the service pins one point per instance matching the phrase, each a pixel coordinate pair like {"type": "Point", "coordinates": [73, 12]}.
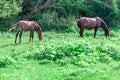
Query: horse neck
{"type": "Point", "coordinates": [104, 26]}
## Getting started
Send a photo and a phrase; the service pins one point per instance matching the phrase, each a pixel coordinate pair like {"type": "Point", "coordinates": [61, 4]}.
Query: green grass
{"type": "Point", "coordinates": [61, 56]}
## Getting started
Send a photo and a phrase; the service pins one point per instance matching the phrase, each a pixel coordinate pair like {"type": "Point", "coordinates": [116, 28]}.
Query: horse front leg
{"type": "Point", "coordinates": [32, 35]}
{"type": "Point", "coordinates": [20, 36]}
{"type": "Point", "coordinates": [95, 31]}
{"type": "Point", "coordinates": [16, 36]}
{"type": "Point", "coordinates": [81, 32]}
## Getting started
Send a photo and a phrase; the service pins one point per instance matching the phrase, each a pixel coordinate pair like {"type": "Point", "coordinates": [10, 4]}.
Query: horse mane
{"type": "Point", "coordinates": [38, 26]}
{"type": "Point", "coordinates": [39, 30]}
{"type": "Point", "coordinates": [103, 24]}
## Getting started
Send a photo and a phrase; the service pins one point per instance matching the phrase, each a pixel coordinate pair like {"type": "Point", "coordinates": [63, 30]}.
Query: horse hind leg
{"type": "Point", "coordinates": [16, 36]}
{"type": "Point", "coordinates": [20, 36]}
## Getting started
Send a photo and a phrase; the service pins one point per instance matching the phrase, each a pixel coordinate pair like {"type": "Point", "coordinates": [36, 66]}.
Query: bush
{"type": "Point", "coordinates": [5, 35]}
{"type": "Point", "coordinates": [50, 21]}
{"type": "Point", "coordinates": [4, 61]}
{"type": "Point", "coordinates": [9, 11]}
{"type": "Point", "coordinates": [89, 54]}
{"type": "Point", "coordinates": [59, 19]}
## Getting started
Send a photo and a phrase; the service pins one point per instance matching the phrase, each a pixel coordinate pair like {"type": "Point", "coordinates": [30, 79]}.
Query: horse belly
{"type": "Point", "coordinates": [28, 27]}
{"type": "Point", "coordinates": [89, 27]}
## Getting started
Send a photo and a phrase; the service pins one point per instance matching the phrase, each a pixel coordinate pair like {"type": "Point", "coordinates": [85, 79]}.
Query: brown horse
{"type": "Point", "coordinates": [92, 23]}
{"type": "Point", "coordinates": [27, 26]}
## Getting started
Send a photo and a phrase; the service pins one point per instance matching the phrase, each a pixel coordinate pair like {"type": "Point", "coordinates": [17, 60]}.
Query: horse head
{"type": "Point", "coordinates": [107, 33]}
{"type": "Point", "coordinates": [105, 28]}
{"type": "Point", "coordinates": [40, 36]}
{"type": "Point", "coordinates": [39, 30]}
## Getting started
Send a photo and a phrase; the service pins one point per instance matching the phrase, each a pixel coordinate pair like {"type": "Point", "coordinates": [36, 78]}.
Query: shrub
{"type": "Point", "coordinates": [4, 61]}
{"type": "Point", "coordinates": [9, 11]}
{"type": "Point", "coordinates": [50, 21]}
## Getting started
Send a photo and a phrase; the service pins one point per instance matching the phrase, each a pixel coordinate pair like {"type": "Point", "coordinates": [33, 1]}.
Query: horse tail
{"type": "Point", "coordinates": [78, 23]}
{"type": "Point", "coordinates": [12, 27]}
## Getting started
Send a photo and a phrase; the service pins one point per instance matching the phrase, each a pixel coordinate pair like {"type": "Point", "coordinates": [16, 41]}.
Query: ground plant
{"type": "Point", "coordinates": [61, 56]}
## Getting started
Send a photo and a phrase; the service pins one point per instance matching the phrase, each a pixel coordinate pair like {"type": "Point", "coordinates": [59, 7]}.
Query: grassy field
{"type": "Point", "coordinates": [61, 56]}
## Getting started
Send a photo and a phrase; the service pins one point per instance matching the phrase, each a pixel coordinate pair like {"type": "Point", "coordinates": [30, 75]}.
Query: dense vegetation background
{"type": "Point", "coordinates": [12, 11]}
{"type": "Point", "coordinates": [61, 54]}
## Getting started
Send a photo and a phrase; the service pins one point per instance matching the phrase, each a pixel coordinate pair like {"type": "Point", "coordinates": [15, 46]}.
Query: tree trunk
{"type": "Point", "coordinates": [39, 6]}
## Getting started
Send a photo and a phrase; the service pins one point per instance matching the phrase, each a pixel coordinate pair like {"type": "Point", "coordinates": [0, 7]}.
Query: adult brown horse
{"type": "Point", "coordinates": [27, 26]}
{"type": "Point", "coordinates": [92, 23]}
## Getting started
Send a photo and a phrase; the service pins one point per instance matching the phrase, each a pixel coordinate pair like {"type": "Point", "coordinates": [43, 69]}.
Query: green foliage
{"type": "Point", "coordinates": [118, 2]}
{"type": "Point", "coordinates": [61, 18]}
{"type": "Point", "coordinates": [50, 21]}
{"type": "Point", "coordinates": [5, 35]}
{"type": "Point", "coordinates": [57, 18]}
{"type": "Point", "coordinates": [9, 11]}
{"type": "Point", "coordinates": [8, 8]}
{"type": "Point", "coordinates": [75, 8]}
{"type": "Point", "coordinates": [79, 51]}
{"type": "Point", "coordinates": [4, 61]}
{"type": "Point", "coordinates": [61, 56]}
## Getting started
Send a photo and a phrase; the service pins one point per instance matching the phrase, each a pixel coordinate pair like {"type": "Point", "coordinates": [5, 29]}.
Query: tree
{"type": "Point", "coordinates": [8, 8]}
{"type": "Point", "coordinates": [109, 2]}
{"type": "Point", "coordinates": [41, 4]}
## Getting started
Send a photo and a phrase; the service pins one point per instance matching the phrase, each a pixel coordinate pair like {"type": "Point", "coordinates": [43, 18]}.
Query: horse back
{"type": "Point", "coordinates": [26, 25]}
{"type": "Point", "coordinates": [88, 23]}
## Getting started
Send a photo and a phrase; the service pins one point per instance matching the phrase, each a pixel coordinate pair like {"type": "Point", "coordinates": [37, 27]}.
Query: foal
{"type": "Point", "coordinates": [92, 23]}
{"type": "Point", "coordinates": [27, 26]}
